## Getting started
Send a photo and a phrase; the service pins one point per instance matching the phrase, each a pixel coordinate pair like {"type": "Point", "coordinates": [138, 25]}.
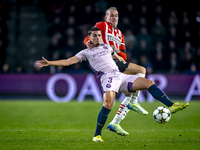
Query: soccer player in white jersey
{"type": "Point", "coordinates": [113, 37]}
{"type": "Point", "coordinates": [112, 80]}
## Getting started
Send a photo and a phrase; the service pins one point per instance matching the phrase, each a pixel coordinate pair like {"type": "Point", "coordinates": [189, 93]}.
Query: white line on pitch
{"type": "Point", "coordinates": [57, 130]}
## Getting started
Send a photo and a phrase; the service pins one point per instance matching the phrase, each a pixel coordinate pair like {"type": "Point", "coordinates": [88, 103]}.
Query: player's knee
{"type": "Point", "coordinates": [150, 83]}
{"type": "Point", "coordinates": [142, 70]}
{"type": "Point", "coordinates": [127, 94]}
{"type": "Point", "coordinates": [108, 104]}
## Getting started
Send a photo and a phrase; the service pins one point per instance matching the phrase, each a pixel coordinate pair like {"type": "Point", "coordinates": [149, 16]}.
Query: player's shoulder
{"type": "Point", "coordinates": [83, 51]}
{"type": "Point", "coordinates": [106, 46]}
{"type": "Point", "coordinates": [100, 24]}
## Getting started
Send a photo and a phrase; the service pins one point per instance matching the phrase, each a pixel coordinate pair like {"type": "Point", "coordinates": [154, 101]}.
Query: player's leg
{"type": "Point", "coordinates": [145, 84]}
{"type": "Point", "coordinates": [132, 98]}
{"type": "Point", "coordinates": [134, 69]}
{"type": "Point", "coordinates": [103, 114]}
{"type": "Point", "coordinates": [123, 110]}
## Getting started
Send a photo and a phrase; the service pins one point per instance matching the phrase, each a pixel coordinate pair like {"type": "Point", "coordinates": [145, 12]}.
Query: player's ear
{"type": "Point", "coordinates": [105, 18]}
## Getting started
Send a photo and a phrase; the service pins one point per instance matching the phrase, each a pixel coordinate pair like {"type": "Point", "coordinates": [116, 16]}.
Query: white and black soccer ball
{"type": "Point", "coordinates": [161, 114]}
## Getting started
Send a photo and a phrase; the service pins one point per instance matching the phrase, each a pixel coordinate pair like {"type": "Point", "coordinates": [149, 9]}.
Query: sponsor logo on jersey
{"type": "Point", "coordinates": [114, 39]}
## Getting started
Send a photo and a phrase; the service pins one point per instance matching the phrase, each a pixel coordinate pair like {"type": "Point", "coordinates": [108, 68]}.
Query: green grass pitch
{"type": "Point", "coordinates": [46, 125]}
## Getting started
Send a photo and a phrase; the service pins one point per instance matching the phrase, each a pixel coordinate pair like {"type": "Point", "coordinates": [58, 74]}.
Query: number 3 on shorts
{"type": "Point", "coordinates": [109, 80]}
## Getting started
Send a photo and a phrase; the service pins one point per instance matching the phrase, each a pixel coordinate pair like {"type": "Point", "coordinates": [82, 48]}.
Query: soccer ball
{"type": "Point", "coordinates": [161, 114]}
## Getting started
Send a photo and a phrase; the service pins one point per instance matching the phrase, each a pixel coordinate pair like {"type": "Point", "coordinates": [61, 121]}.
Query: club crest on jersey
{"type": "Point", "coordinates": [108, 85]}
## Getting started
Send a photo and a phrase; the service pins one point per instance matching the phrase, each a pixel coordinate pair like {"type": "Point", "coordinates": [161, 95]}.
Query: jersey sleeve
{"type": "Point", "coordinates": [86, 40]}
{"type": "Point", "coordinates": [81, 56]}
{"type": "Point", "coordinates": [122, 49]}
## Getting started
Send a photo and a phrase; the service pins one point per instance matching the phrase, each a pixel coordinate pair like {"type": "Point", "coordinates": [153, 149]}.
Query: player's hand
{"type": "Point", "coordinates": [89, 44]}
{"type": "Point", "coordinates": [121, 59]}
{"type": "Point", "coordinates": [41, 63]}
{"type": "Point", "coordinates": [115, 49]}
{"type": "Point", "coordinates": [118, 57]}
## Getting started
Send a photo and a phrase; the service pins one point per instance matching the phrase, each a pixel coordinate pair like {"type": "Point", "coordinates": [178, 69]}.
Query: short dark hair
{"type": "Point", "coordinates": [93, 29]}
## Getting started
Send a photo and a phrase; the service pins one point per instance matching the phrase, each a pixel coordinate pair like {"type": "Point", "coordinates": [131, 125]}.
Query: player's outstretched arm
{"type": "Point", "coordinates": [64, 62]}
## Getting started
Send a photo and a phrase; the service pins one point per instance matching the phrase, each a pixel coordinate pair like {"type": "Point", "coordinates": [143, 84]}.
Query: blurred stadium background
{"type": "Point", "coordinates": [162, 36]}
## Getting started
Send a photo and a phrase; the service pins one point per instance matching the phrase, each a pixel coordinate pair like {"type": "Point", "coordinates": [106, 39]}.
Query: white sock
{"type": "Point", "coordinates": [123, 110]}
{"type": "Point", "coordinates": [134, 96]}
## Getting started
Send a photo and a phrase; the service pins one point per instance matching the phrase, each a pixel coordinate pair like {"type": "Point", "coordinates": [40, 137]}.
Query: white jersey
{"type": "Point", "coordinates": [101, 62]}
{"type": "Point", "coordinates": [100, 59]}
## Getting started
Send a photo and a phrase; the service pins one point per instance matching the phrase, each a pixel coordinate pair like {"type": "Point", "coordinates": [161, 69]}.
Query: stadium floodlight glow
{"type": "Point", "coordinates": [71, 90]}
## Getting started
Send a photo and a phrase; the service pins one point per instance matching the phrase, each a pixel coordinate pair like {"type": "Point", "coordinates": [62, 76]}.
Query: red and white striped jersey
{"type": "Point", "coordinates": [111, 36]}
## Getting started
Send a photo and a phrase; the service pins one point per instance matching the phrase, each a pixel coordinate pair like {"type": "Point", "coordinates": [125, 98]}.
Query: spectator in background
{"type": "Point", "coordinates": [71, 10]}
{"type": "Point", "coordinates": [71, 22]}
{"type": "Point", "coordinates": [197, 37]}
{"type": "Point", "coordinates": [85, 20]}
{"type": "Point", "coordinates": [70, 33]}
{"type": "Point", "coordinates": [158, 47]}
{"type": "Point", "coordinates": [3, 33]}
{"type": "Point", "coordinates": [197, 58]}
{"type": "Point", "coordinates": [129, 37]}
{"type": "Point", "coordinates": [99, 15]}
{"type": "Point", "coordinates": [186, 37]}
{"type": "Point", "coordinates": [53, 45]}
{"type": "Point", "coordinates": [145, 62]}
{"type": "Point", "coordinates": [70, 45]}
{"type": "Point", "coordinates": [143, 22]}
{"type": "Point", "coordinates": [56, 10]}
{"type": "Point", "coordinates": [6, 69]}
{"type": "Point", "coordinates": [171, 47]}
{"type": "Point", "coordinates": [2, 53]}
{"type": "Point", "coordinates": [144, 12]}
{"type": "Point", "coordinates": [56, 26]}
{"type": "Point", "coordinates": [149, 68]}
{"type": "Point", "coordinates": [174, 65]}
{"type": "Point", "coordinates": [142, 48]}
{"type": "Point", "coordinates": [102, 4]}
{"type": "Point", "coordinates": [159, 64]}
{"type": "Point", "coordinates": [158, 13]}
{"type": "Point", "coordinates": [193, 70]}
{"type": "Point", "coordinates": [172, 19]}
{"type": "Point", "coordinates": [158, 31]}
{"type": "Point", "coordinates": [55, 56]}
{"type": "Point", "coordinates": [19, 69]}
{"type": "Point", "coordinates": [130, 57]}
{"type": "Point", "coordinates": [186, 62]}
{"type": "Point", "coordinates": [130, 13]}
{"type": "Point", "coordinates": [130, 17]}
{"type": "Point", "coordinates": [185, 22]}
{"type": "Point", "coordinates": [143, 34]}
{"type": "Point", "coordinates": [185, 49]}
{"type": "Point", "coordinates": [131, 48]}
{"type": "Point", "coordinates": [126, 24]}
{"type": "Point", "coordinates": [172, 35]}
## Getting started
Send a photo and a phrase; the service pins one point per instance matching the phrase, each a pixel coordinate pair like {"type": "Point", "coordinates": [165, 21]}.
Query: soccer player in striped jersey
{"type": "Point", "coordinates": [112, 80]}
{"type": "Point", "coordinates": [113, 37]}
